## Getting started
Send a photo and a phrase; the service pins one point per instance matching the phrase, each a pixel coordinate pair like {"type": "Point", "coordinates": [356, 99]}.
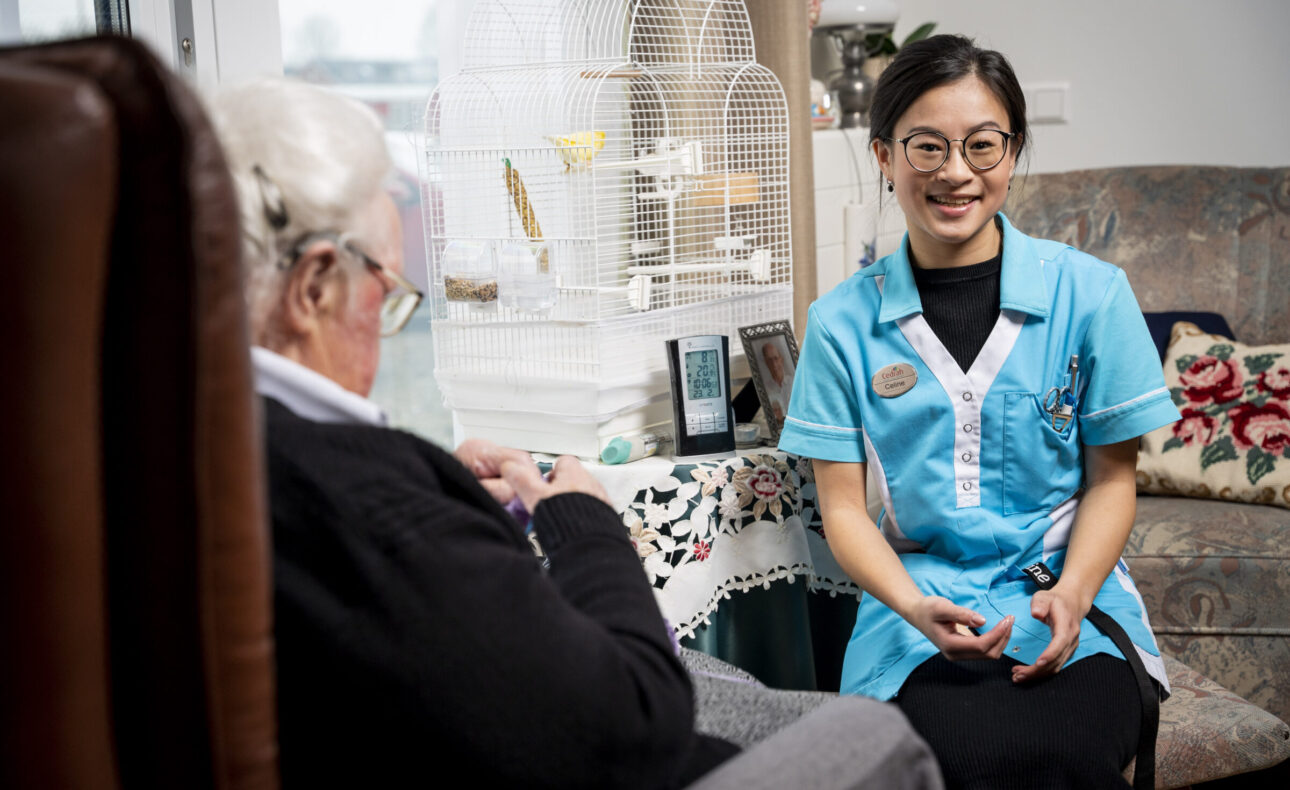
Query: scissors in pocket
{"type": "Point", "coordinates": [1059, 402]}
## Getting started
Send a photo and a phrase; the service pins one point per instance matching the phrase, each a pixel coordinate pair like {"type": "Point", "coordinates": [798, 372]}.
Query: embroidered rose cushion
{"type": "Point", "coordinates": [1233, 441]}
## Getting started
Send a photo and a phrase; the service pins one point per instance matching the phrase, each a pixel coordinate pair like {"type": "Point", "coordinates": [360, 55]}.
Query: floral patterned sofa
{"type": "Point", "coordinates": [1215, 574]}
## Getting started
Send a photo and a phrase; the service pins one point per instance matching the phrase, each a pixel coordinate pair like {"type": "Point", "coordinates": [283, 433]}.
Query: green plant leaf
{"type": "Point", "coordinates": [1260, 362]}
{"type": "Point", "coordinates": [921, 32]}
{"type": "Point", "coordinates": [1220, 350]}
{"type": "Point", "coordinates": [1173, 443]}
{"type": "Point", "coordinates": [879, 44]}
{"type": "Point", "coordinates": [1185, 361]}
{"type": "Point", "coordinates": [1176, 393]}
{"type": "Point", "coordinates": [1258, 464]}
{"type": "Point", "coordinates": [1219, 451]}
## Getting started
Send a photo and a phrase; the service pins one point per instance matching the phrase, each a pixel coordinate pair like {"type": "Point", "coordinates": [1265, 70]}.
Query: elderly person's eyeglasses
{"type": "Point", "coordinates": [927, 152]}
{"type": "Point", "coordinates": [401, 295]}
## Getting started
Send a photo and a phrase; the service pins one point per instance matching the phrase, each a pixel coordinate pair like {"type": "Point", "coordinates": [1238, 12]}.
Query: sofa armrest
{"type": "Point", "coordinates": [1215, 579]}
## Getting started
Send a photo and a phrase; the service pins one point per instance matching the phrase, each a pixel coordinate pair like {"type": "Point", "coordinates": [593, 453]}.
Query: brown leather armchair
{"type": "Point", "coordinates": [135, 626]}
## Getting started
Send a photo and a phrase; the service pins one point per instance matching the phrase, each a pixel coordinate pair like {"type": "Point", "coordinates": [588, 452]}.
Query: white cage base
{"type": "Point", "coordinates": [562, 418]}
{"type": "Point", "coordinates": [558, 435]}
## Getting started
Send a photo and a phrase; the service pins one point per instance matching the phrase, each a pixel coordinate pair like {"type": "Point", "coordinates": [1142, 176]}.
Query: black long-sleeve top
{"type": "Point", "coordinates": [418, 637]}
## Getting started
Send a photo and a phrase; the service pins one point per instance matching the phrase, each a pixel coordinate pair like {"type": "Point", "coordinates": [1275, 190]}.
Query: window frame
{"type": "Point", "coordinates": [231, 40]}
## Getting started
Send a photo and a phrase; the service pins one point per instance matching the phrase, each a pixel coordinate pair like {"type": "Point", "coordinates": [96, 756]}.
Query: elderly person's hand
{"type": "Point", "coordinates": [484, 459]}
{"type": "Point", "coordinates": [568, 475]}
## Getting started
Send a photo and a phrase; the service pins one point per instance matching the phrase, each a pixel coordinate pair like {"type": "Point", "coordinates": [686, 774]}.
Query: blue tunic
{"type": "Point", "coordinates": [976, 482]}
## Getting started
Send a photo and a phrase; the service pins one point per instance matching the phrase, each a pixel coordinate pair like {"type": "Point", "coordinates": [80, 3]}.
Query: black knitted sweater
{"type": "Point", "coordinates": [961, 305]}
{"type": "Point", "coordinates": [419, 639]}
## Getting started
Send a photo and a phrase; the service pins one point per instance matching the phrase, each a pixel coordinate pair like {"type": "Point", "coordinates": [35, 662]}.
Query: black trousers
{"type": "Point", "coordinates": [1076, 729]}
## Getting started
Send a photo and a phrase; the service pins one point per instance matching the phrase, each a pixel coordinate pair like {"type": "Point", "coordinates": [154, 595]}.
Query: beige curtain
{"type": "Point", "coordinates": [783, 46]}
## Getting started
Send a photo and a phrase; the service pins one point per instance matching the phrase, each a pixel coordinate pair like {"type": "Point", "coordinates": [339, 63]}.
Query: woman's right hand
{"type": "Point", "coordinates": [939, 619]}
{"type": "Point", "coordinates": [567, 475]}
{"type": "Point", "coordinates": [867, 557]}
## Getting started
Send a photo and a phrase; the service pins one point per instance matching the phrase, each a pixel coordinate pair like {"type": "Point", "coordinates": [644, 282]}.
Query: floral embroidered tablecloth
{"type": "Point", "coordinates": [706, 529]}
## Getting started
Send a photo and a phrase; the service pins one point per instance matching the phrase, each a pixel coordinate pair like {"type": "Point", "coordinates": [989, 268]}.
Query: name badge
{"type": "Point", "coordinates": [895, 380]}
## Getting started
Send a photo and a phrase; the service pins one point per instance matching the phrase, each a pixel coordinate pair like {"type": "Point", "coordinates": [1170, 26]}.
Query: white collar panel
{"type": "Point", "coordinates": [310, 394]}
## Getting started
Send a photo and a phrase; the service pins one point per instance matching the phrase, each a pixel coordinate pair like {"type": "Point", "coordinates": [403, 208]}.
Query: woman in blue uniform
{"type": "Point", "coordinates": [995, 385]}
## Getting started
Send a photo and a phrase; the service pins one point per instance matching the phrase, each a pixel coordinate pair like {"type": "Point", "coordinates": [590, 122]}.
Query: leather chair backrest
{"type": "Point", "coordinates": [135, 597]}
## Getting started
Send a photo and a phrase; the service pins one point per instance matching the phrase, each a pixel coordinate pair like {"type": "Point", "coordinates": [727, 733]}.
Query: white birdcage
{"type": "Point", "coordinates": [602, 176]}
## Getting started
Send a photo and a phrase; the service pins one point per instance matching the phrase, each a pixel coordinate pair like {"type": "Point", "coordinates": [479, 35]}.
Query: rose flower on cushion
{"type": "Point", "coordinates": [1195, 426]}
{"type": "Point", "coordinates": [1276, 381]}
{"type": "Point", "coordinates": [1266, 427]}
{"type": "Point", "coordinates": [1211, 380]}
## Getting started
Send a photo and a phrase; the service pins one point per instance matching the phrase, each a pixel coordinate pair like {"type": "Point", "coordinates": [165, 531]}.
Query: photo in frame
{"type": "Point", "coordinates": [771, 351]}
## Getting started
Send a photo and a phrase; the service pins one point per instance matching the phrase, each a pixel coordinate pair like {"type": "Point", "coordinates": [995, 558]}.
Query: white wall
{"type": "Point", "coordinates": [1151, 81]}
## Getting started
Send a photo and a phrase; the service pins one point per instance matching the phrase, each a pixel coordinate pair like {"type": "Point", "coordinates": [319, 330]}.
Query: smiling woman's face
{"type": "Point", "coordinates": [950, 212]}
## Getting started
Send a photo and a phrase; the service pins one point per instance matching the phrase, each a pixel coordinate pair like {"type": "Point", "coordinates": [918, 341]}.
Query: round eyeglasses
{"type": "Point", "coordinates": [401, 295]}
{"type": "Point", "coordinates": [927, 152]}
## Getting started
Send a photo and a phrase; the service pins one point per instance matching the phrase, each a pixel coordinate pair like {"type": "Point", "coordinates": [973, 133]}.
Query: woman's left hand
{"type": "Point", "coordinates": [1062, 609]}
{"type": "Point", "coordinates": [1101, 529]}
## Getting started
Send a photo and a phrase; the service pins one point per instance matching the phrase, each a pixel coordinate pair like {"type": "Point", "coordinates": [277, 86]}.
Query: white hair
{"type": "Point", "coordinates": [323, 152]}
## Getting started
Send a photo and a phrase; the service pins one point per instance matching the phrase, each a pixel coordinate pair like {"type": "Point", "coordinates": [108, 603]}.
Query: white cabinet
{"type": "Point", "coordinates": [852, 209]}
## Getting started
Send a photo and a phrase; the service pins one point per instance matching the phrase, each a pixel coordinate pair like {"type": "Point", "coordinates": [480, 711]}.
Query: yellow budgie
{"type": "Point", "coordinates": [578, 148]}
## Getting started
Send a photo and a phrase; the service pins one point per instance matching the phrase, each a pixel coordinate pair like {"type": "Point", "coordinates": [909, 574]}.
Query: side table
{"type": "Point", "coordinates": [734, 551]}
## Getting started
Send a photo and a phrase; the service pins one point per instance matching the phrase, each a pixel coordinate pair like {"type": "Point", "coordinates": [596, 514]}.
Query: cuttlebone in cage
{"type": "Point", "coordinates": [606, 176]}
{"type": "Point", "coordinates": [502, 182]}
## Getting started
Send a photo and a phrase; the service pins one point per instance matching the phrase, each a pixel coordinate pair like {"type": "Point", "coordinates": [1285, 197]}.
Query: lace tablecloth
{"type": "Point", "coordinates": [706, 529]}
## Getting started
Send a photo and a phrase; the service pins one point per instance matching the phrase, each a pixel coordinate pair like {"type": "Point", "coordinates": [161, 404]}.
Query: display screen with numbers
{"type": "Point", "coordinates": [702, 377]}
{"type": "Point", "coordinates": [702, 421]}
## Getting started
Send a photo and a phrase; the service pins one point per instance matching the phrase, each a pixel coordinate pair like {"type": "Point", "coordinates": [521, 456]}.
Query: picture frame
{"type": "Point", "coordinates": [771, 351]}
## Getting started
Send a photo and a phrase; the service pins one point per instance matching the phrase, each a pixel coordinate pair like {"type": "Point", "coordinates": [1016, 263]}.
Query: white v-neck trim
{"type": "Point", "coordinates": [966, 391]}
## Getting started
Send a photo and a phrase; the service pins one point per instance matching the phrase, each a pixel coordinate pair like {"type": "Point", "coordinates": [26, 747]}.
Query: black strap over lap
{"type": "Point", "coordinates": [1144, 771]}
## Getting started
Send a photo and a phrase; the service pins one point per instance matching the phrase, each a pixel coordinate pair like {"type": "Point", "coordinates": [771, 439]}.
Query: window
{"type": "Point", "coordinates": [388, 59]}
{"type": "Point", "coordinates": [385, 54]}
{"type": "Point", "coordinates": [33, 21]}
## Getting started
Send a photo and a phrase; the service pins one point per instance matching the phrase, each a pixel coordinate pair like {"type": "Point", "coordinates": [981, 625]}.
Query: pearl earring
{"type": "Point", "coordinates": [891, 185]}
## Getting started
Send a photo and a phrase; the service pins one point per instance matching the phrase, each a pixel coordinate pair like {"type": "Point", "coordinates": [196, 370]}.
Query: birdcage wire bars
{"type": "Point", "coordinates": [647, 152]}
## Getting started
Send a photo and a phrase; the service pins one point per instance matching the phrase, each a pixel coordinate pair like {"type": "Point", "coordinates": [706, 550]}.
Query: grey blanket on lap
{"type": "Point", "coordinates": [809, 739]}
{"type": "Point", "coordinates": [732, 704]}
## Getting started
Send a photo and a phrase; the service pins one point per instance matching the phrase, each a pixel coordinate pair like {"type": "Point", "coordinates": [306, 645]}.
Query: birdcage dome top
{"type": "Point", "coordinates": [652, 33]}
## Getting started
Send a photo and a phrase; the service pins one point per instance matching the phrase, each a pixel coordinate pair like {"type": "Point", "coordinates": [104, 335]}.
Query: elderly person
{"type": "Point", "coordinates": [779, 382]}
{"type": "Point", "coordinates": [416, 631]}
